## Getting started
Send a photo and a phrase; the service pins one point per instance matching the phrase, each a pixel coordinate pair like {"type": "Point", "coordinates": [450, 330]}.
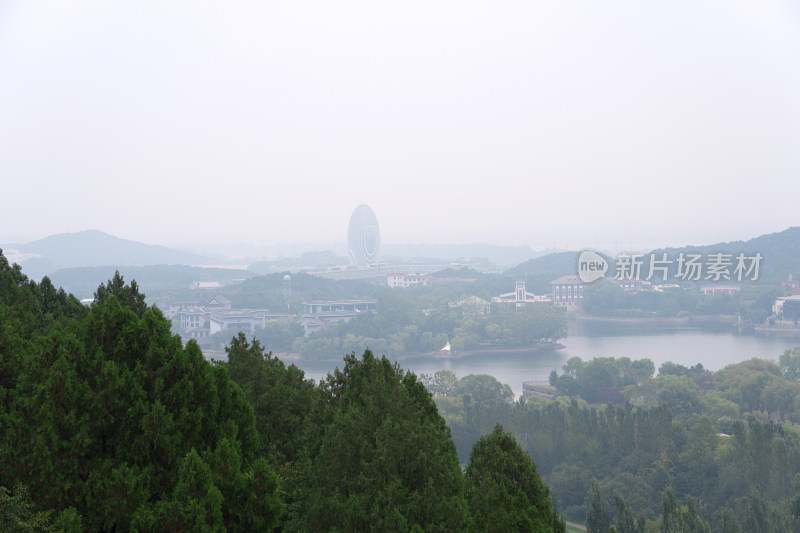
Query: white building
{"type": "Point", "coordinates": [200, 322]}
{"type": "Point", "coordinates": [520, 296]}
{"type": "Point", "coordinates": [408, 280]}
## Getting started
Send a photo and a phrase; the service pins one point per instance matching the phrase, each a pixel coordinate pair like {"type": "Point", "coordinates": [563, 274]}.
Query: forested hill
{"type": "Point", "coordinates": [95, 248]}
{"type": "Point", "coordinates": [541, 271]}
{"type": "Point", "coordinates": [555, 264]}
{"type": "Point", "coordinates": [780, 252]}
{"type": "Point", "coordinates": [154, 279]}
{"type": "Point", "coordinates": [109, 423]}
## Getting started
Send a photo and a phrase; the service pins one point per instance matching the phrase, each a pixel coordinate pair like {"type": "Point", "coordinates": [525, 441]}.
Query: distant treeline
{"type": "Point", "coordinates": [609, 299]}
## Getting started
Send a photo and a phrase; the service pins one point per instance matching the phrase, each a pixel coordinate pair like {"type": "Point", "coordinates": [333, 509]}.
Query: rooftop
{"type": "Point", "coordinates": [568, 278]}
{"type": "Point", "coordinates": [335, 302]}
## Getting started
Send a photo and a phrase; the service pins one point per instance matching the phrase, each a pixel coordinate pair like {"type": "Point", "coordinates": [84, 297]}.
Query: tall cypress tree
{"type": "Point", "coordinates": [505, 491]}
{"type": "Point", "coordinates": [598, 515]}
{"type": "Point", "coordinates": [385, 460]}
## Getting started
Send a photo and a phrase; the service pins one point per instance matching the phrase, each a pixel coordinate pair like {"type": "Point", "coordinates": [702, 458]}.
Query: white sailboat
{"type": "Point", "coordinates": [445, 349]}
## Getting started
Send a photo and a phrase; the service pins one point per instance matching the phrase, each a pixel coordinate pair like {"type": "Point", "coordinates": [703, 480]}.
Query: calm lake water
{"type": "Point", "coordinates": [713, 345]}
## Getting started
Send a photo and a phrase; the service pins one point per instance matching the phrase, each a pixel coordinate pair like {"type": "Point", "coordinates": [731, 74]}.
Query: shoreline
{"type": "Point", "coordinates": [573, 317]}
{"type": "Point", "coordinates": [480, 350]}
{"type": "Point", "coordinates": [688, 319]}
{"type": "Point", "coordinates": [295, 357]}
{"type": "Point", "coordinates": [792, 332]}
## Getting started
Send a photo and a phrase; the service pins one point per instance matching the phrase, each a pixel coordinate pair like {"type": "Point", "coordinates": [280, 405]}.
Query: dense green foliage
{"type": "Point", "coordinates": [110, 423]}
{"type": "Point", "coordinates": [367, 448]}
{"type": "Point", "coordinates": [17, 512]}
{"type": "Point", "coordinates": [385, 459]}
{"type": "Point", "coordinates": [688, 450]}
{"type": "Point", "coordinates": [279, 335]}
{"type": "Point", "coordinates": [27, 309]}
{"type": "Point", "coordinates": [400, 327]}
{"type": "Point", "coordinates": [504, 490]}
{"type": "Point", "coordinates": [481, 389]}
{"type": "Point", "coordinates": [601, 379]}
{"type": "Point", "coordinates": [282, 398]}
{"type": "Point", "coordinates": [106, 413]}
{"type": "Point", "coordinates": [610, 300]}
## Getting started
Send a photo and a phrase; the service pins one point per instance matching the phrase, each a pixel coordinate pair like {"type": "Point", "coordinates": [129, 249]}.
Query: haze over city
{"type": "Point", "coordinates": [547, 124]}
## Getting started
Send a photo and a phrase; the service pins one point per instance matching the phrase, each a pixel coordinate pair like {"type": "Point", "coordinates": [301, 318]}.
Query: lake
{"type": "Point", "coordinates": [713, 345]}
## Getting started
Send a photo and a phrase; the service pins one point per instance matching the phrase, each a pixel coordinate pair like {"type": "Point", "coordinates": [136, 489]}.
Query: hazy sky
{"type": "Point", "coordinates": [519, 122]}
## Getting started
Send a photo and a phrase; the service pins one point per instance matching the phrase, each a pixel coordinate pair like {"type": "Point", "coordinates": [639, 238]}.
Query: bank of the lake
{"type": "Point", "coordinates": [685, 319]}
{"type": "Point", "coordinates": [715, 345]}
{"type": "Point", "coordinates": [493, 349]}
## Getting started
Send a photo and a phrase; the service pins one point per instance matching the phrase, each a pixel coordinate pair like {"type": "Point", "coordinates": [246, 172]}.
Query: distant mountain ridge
{"type": "Point", "coordinates": [95, 248]}
{"type": "Point", "coordinates": [780, 252]}
{"type": "Point", "coordinates": [556, 264]}
{"type": "Point", "coordinates": [152, 279]}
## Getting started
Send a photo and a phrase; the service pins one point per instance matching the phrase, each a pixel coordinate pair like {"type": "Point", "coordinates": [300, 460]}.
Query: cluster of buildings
{"type": "Point", "coordinates": [567, 291]}
{"type": "Point", "coordinates": [404, 279]}
{"type": "Point", "coordinates": [321, 314]}
{"type": "Point", "coordinates": [200, 319]}
{"type": "Point", "coordinates": [787, 307]}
